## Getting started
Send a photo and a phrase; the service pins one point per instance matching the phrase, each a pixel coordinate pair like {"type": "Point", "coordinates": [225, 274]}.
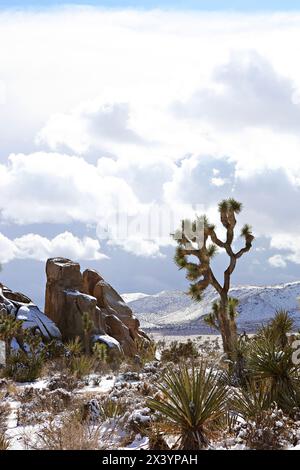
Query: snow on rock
{"type": "Point", "coordinates": [139, 443]}
{"type": "Point", "coordinates": [109, 341]}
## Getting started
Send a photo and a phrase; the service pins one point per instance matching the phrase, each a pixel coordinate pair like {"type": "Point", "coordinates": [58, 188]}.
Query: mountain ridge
{"type": "Point", "coordinates": [173, 310]}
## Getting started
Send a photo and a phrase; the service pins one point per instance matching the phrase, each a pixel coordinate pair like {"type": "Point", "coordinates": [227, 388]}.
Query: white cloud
{"type": "Point", "coordinates": [245, 92]}
{"type": "Point", "coordinates": [289, 243]}
{"type": "Point", "coordinates": [245, 143]}
{"type": "Point", "coordinates": [58, 188]}
{"type": "Point", "coordinates": [98, 127]}
{"type": "Point", "coordinates": [277, 261]}
{"type": "Point", "coordinates": [33, 246]}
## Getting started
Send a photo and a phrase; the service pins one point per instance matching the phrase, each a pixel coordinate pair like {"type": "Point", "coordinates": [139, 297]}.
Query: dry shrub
{"type": "Point", "coordinates": [4, 410]}
{"type": "Point", "coordinates": [180, 351]}
{"type": "Point", "coordinates": [38, 405]}
{"type": "Point", "coordinates": [65, 433]}
{"type": "Point", "coordinates": [4, 443]}
{"type": "Point", "coordinates": [270, 431]}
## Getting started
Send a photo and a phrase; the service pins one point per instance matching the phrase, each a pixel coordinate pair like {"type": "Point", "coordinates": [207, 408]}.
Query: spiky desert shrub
{"type": "Point", "coordinates": [277, 330]}
{"type": "Point", "coordinates": [80, 366]}
{"type": "Point", "coordinates": [74, 347]}
{"type": "Point", "coordinates": [111, 408]}
{"type": "Point", "coordinates": [23, 367]}
{"type": "Point", "coordinates": [100, 352]}
{"type": "Point", "coordinates": [251, 401]}
{"type": "Point", "coordinates": [193, 400]}
{"type": "Point", "coordinates": [273, 365]}
{"type": "Point", "coordinates": [9, 328]}
{"type": "Point", "coordinates": [146, 350]}
{"type": "Point", "coordinates": [178, 351]}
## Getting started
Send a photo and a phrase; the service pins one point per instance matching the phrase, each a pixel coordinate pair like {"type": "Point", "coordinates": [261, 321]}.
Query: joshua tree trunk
{"type": "Point", "coordinates": [7, 349]}
{"type": "Point", "coordinates": [228, 327]}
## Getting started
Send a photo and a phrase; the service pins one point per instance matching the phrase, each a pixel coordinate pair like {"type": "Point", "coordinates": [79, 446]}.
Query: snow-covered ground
{"type": "Point", "coordinates": [174, 310]}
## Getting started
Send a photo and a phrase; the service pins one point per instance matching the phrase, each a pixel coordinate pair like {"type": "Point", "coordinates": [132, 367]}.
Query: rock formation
{"type": "Point", "coordinates": [22, 308]}
{"type": "Point", "coordinates": [71, 297]}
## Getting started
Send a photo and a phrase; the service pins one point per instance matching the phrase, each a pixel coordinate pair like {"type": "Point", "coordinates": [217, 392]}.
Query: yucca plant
{"type": "Point", "coordinates": [278, 329]}
{"type": "Point", "coordinates": [74, 347]}
{"type": "Point", "coordinates": [100, 352]}
{"type": "Point", "coordinates": [272, 364]}
{"type": "Point", "coordinates": [80, 366]}
{"type": "Point", "coordinates": [194, 401]}
{"type": "Point", "coordinates": [251, 401]}
{"type": "Point", "coordinates": [110, 408]}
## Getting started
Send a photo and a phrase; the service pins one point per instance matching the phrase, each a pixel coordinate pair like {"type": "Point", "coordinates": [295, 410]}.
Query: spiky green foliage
{"type": "Point", "coordinates": [212, 250]}
{"type": "Point", "coordinates": [26, 364]}
{"type": "Point", "coordinates": [195, 292]}
{"type": "Point", "coordinates": [234, 205]}
{"type": "Point", "coordinates": [24, 367]}
{"type": "Point", "coordinates": [278, 328]}
{"type": "Point", "coordinates": [180, 258]}
{"type": "Point", "coordinates": [223, 206]}
{"type": "Point", "coordinates": [111, 409]}
{"type": "Point", "coordinates": [250, 401]}
{"type": "Point", "coordinates": [80, 366]}
{"type": "Point", "coordinates": [9, 328]}
{"type": "Point", "coordinates": [230, 205]}
{"type": "Point", "coordinates": [246, 230]}
{"type": "Point", "coordinates": [74, 347]}
{"type": "Point", "coordinates": [180, 351]}
{"type": "Point", "coordinates": [272, 364]}
{"type": "Point", "coordinates": [100, 352]}
{"type": "Point", "coordinates": [232, 307]}
{"type": "Point", "coordinates": [193, 271]}
{"type": "Point", "coordinates": [212, 319]}
{"type": "Point", "coordinates": [194, 401]}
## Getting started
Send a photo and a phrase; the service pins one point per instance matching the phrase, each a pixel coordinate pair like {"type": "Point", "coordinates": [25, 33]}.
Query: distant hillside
{"type": "Point", "coordinates": [174, 310]}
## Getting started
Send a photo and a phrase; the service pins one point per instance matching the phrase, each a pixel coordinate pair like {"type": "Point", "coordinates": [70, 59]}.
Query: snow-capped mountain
{"type": "Point", "coordinates": [173, 310]}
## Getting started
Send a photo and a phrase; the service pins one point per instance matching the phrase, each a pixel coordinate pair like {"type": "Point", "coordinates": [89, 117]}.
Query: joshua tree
{"type": "Point", "coordinates": [201, 241]}
{"type": "Point", "coordinates": [9, 328]}
{"type": "Point", "coordinates": [87, 329]}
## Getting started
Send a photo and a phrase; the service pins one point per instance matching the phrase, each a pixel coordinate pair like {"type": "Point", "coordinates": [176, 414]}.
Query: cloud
{"type": "Point", "coordinates": [289, 243]}
{"type": "Point", "coordinates": [90, 127]}
{"type": "Point", "coordinates": [36, 247]}
{"type": "Point", "coordinates": [277, 261]}
{"type": "Point", "coordinates": [245, 92]}
{"type": "Point", "coordinates": [68, 156]}
{"type": "Point", "coordinates": [58, 188]}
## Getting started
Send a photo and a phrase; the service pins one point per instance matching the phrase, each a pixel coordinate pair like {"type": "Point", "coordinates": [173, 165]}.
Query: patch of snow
{"type": "Point", "coordinates": [132, 296]}
{"type": "Point", "coordinates": [139, 443]}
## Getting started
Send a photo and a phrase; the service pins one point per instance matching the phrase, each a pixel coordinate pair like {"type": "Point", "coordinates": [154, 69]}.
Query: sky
{"type": "Point", "coordinates": [110, 116]}
{"type": "Point", "coordinates": [207, 5]}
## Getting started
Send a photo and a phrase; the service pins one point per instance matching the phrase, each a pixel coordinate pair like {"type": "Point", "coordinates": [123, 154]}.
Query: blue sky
{"type": "Point", "coordinates": [240, 5]}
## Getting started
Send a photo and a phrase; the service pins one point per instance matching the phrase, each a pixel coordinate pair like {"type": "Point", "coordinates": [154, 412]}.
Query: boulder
{"type": "Point", "coordinates": [22, 308]}
{"type": "Point", "coordinates": [70, 295]}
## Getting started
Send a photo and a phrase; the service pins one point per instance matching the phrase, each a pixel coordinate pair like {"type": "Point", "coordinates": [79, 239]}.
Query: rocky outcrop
{"type": "Point", "coordinates": [72, 297]}
{"type": "Point", "coordinates": [22, 308]}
